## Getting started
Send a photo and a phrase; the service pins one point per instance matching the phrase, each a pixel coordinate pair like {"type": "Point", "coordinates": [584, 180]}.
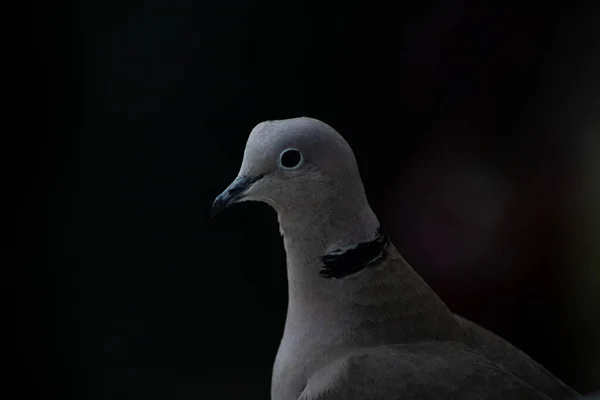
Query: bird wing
{"type": "Point", "coordinates": [498, 350]}
{"type": "Point", "coordinates": [431, 370]}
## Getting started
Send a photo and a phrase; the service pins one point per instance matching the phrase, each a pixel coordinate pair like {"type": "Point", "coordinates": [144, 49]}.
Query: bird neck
{"type": "Point", "coordinates": [386, 288]}
{"type": "Point", "coordinates": [310, 236]}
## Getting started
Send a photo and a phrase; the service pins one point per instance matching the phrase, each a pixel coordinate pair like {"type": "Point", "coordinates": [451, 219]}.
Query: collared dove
{"type": "Point", "coordinates": [361, 323]}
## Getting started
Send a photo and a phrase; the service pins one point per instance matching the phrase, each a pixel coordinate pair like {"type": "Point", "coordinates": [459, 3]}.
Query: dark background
{"type": "Point", "coordinates": [476, 130]}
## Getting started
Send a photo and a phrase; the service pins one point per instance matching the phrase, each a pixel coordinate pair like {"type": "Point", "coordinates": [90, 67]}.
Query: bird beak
{"type": "Point", "coordinates": [233, 193]}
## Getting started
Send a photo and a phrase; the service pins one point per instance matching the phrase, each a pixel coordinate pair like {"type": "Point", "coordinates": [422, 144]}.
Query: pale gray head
{"type": "Point", "coordinates": [307, 172]}
{"type": "Point", "coordinates": [298, 166]}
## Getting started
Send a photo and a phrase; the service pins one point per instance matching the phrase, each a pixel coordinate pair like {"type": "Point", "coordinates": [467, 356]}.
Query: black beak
{"type": "Point", "coordinates": [233, 193]}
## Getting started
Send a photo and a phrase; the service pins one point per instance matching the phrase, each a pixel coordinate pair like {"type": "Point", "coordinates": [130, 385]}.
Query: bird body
{"type": "Point", "coordinates": [361, 323]}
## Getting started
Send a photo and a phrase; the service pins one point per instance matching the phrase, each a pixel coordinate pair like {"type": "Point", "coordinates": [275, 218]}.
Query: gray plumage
{"type": "Point", "coordinates": [372, 328]}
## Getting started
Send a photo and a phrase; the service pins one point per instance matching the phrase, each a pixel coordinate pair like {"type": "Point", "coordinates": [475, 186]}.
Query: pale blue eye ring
{"type": "Point", "coordinates": [290, 159]}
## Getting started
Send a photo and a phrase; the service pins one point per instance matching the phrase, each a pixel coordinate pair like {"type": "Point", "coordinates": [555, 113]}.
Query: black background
{"type": "Point", "coordinates": [454, 108]}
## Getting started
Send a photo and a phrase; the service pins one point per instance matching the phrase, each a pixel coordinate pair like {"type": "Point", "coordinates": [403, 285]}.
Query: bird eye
{"type": "Point", "coordinates": [290, 159]}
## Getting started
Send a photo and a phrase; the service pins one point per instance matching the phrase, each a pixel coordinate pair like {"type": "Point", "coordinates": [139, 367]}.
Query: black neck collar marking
{"type": "Point", "coordinates": [342, 263]}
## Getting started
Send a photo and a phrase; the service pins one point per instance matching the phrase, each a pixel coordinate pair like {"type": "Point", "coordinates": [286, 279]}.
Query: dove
{"type": "Point", "coordinates": [361, 323]}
